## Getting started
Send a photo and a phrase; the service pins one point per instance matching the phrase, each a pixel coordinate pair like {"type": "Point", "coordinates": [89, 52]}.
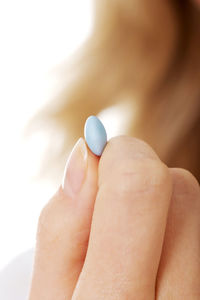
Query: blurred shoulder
{"type": "Point", "coordinates": [15, 278]}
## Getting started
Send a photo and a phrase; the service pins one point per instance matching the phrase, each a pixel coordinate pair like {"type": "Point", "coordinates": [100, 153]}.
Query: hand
{"type": "Point", "coordinates": [142, 222]}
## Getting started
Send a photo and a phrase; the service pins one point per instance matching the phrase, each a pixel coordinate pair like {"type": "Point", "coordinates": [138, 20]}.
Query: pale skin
{"type": "Point", "coordinates": [133, 231]}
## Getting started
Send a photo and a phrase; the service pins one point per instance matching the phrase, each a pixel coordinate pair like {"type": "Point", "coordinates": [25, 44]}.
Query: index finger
{"type": "Point", "coordinates": [129, 220]}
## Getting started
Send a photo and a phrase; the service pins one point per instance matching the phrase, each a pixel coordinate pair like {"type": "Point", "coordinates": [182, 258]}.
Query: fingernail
{"type": "Point", "coordinates": [75, 169]}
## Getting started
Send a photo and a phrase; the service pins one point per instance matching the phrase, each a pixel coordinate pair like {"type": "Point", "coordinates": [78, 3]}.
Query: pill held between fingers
{"type": "Point", "coordinates": [95, 135]}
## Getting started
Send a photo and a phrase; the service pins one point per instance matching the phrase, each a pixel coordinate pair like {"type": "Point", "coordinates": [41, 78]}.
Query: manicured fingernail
{"type": "Point", "coordinates": [95, 135]}
{"type": "Point", "coordinates": [75, 169]}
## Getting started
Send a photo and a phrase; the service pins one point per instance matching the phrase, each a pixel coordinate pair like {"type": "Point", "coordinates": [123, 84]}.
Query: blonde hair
{"type": "Point", "coordinates": [147, 52]}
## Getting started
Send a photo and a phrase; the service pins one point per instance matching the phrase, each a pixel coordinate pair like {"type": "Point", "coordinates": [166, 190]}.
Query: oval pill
{"type": "Point", "coordinates": [95, 135]}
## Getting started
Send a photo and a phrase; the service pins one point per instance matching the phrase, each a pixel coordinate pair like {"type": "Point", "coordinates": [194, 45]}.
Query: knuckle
{"type": "Point", "coordinates": [46, 229]}
{"type": "Point", "coordinates": [186, 183]}
{"type": "Point", "coordinates": [138, 148]}
{"type": "Point", "coordinates": [50, 223]}
{"type": "Point", "coordinates": [57, 224]}
{"type": "Point", "coordinates": [122, 150]}
{"type": "Point", "coordinates": [138, 177]}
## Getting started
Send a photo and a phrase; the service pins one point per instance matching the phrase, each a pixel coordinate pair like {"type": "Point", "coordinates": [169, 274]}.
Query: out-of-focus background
{"type": "Point", "coordinates": [35, 36]}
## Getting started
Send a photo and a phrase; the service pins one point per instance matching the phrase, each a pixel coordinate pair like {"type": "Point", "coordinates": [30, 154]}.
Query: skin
{"type": "Point", "coordinates": [133, 231]}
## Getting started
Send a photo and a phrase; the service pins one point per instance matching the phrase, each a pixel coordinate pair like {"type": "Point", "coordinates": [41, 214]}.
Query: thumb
{"type": "Point", "coordinates": [64, 227]}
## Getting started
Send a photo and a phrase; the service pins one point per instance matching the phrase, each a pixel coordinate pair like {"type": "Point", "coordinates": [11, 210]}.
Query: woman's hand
{"type": "Point", "coordinates": [142, 222]}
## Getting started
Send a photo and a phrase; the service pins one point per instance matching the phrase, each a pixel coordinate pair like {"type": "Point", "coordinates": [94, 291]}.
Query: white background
{"type": "Point", "coordinates": [35, 36]}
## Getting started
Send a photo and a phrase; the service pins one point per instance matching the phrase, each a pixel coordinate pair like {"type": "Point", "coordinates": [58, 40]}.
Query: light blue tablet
{"type": "Point", "coordinates": [95, 135]}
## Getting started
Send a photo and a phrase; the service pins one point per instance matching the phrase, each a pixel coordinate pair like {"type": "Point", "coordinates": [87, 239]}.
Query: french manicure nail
{"type": "Point", "coordinates": [75, 169]}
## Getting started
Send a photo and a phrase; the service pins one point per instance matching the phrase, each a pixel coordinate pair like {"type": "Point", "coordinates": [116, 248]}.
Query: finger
{"type": "Point", "coordinates": [63, 229]}
{"type": "Point", "coordinates": [179, 270]}
{"type": "Point", "coordinates": [128, 224]}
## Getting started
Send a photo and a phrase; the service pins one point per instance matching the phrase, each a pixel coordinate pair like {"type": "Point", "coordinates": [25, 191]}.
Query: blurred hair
{"type": "Point", "coordinates": [146, 53]}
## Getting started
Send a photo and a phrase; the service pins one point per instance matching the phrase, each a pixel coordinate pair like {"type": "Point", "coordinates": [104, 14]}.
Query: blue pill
{"type": "Point", "coordinates": [95, 135]}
